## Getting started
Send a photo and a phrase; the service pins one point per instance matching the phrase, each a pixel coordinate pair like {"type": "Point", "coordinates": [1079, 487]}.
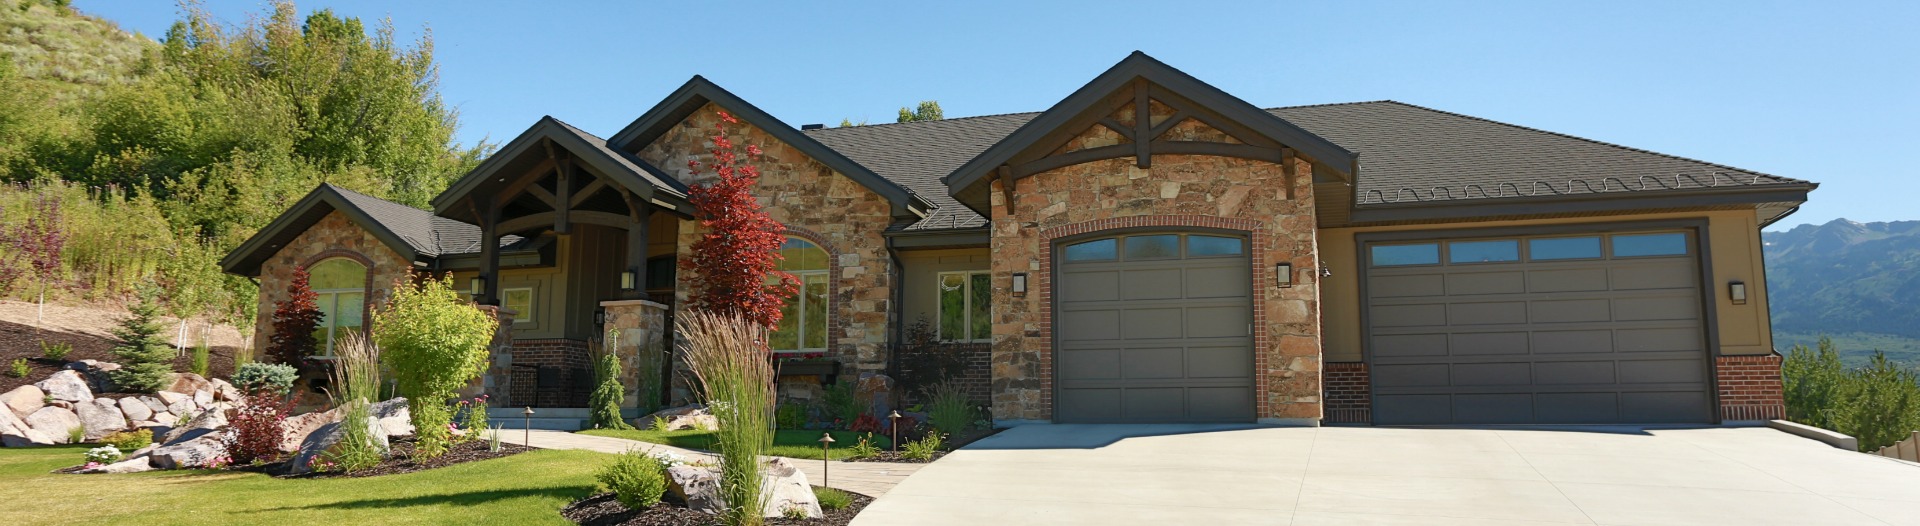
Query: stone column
{"type": "Point", "coordinates": [642, 326]}
{"type": "Point", "coordinates": [497, 382]}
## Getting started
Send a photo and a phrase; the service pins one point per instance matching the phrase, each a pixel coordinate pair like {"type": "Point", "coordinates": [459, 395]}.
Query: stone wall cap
{"type": "Point", "coordinates": [623, 303]}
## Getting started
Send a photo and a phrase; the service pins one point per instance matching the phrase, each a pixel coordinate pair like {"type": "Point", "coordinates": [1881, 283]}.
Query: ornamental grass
{"type": "Point", "coordinates": [356, 380]}
{"type": "Point", "coordinates": [729, 356]}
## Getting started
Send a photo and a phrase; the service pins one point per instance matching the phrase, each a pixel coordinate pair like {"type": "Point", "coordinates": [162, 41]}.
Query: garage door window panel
{"type": "Point", "coordinates": [1495, 251]}
{"type": "Point", "coordinates": [1646, 245]}
{"type": "Point", "coordinates": [1563, 248]}
{"type": "Point", "coordinates": [1213, 246]}
{"type": "Point", "coordinates": [1152, 247]}
{"type": "Point", "coordinates": [1406, 255]}
{"type": "Point", "coordinates": [1099, 250]}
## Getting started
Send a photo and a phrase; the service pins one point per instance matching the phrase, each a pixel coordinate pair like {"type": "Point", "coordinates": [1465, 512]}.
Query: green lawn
{"type": "Point", "coordinates": [791, 443]}
{"type": "Point", "coordinates": [529, 488]}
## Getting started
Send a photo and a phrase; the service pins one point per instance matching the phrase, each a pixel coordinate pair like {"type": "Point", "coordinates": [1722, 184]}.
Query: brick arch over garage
{"type": "Point", "coordinates": [1043, 285]}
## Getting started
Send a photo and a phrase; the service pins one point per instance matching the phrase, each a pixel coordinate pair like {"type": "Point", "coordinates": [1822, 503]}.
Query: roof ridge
{"type": "Point", "coordinates": [1325, 104]}
{"type": "Point", "coordinates": [1599, 142]}
{"type": "Point", "coordinates": [926, 122]}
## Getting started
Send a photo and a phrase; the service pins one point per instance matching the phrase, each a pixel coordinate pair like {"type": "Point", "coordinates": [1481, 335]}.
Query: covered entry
{"type": "Point", "coordinates": [1154, 327]}
{"type": "Point", "coordinates": [1563, 328]}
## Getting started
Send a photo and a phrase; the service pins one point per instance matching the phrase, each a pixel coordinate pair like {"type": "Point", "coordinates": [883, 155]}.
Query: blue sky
{"type": "Point", "coordinates": [1823, 91]}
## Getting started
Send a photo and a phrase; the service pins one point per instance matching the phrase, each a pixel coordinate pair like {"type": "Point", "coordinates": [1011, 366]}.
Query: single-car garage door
{"type": "Point", "coordinates": [1572, 328]}
{"type": "Point", "coordinates": [1154, 328]}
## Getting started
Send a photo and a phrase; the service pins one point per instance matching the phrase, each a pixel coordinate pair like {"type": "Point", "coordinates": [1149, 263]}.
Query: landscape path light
{"type": "Point", "coordinates": [826, 441]}
{"type": "Point", "coordinates": [527, 435]}
{"type": "Point", "coordinates": [893, 424]}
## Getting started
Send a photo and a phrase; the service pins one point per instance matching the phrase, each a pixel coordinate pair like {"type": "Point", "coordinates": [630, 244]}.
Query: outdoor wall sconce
{"type": "Point", "coordinates": [1283, 274]}
{"type": "Point", "coordinates": [1325, 271]}
{"type": "Point", "coordinates": [626, 280]}
{"type": "Point", "coordinates": [599, 316]}
{"type": "Point", "coordinates": [1020, 284]}
{"type": "Point", "coordinates": [1737, 291]}
{"type": "Point", "coordinates": [477, 286]}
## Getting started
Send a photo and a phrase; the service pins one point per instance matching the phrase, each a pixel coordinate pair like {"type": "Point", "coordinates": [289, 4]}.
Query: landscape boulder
{"type": "Point", "coordinates": [135, 409]}
{"type": "Point", "coordinates": [203, 399]}
{"type": "Point", "coordinates": [176, 403]}
{"type": "Point", "coordinates": [99, 374]}
{"type": "Point", "coordinates": [24, 400]}
{"type": "Point", "coordinates": [101, 416]}
{"type": "Point", "coordinates": [300, 426]}
{"type": "Point", "coordinates": [784, 488]}
{"type": "Point", "coordinates": [392, 417]}
{"type": "Point", "coordinates": [325, 439]}
{"type": "Point", "coordinates": [877, 389]}
{"type": "Point", "coordinates": [678, 418]}
{"type": "Point", "coordinates": [191, 453]}
{"type": "Point", "coordinates": [15, 432]}
{"type": "Point", "coordinates": [66, 385]}
{"type": "Point", "coordinates": [204, 423]}
{"type": "Point", "coordinates": [188, 384]}
{"type": "Point", "coordinates": [224, 391]}
{"type": "Point", "coordinates": [55, 422]}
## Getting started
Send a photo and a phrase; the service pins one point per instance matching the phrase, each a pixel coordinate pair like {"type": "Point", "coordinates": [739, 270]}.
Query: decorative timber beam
{"type": "Point", "coordinates": [1221, 149]}
{"type": "Point", "coordinates": [1005, 175]}
{"type": "Point", "coordinates": [1142, 123]}
{"type": "Point", "coordinates": [1286, 169]}
{"type": "Point", "coordinates": [586, 217]}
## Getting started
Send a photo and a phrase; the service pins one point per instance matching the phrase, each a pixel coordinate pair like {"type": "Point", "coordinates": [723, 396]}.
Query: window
{"type": "Point", "coordinates": [520, 301]}
{"type": "Point", "coordinates": [1634, 245]}
{"type": "Point", "coordinates": [1204, 246]}
{"type": "Point", "coordinates": [803, 320]}
{"type": "Point", "coordinates": [1098, 250]}
{"type": "Point", "coordinates": [1396, 255]}
{"type": "Point", "coordinates": [965, 306]}
{"type": "Point", "coordinates": [1563, 248]}
{"type": "Point", "coordinates": [1153, 247]}
{"type": "Point", "coordinates": [1483, 251]}
{"type": "Point", "coordinates": [660, 272]}
{"type": "Point", "coordinates": [341, 287]}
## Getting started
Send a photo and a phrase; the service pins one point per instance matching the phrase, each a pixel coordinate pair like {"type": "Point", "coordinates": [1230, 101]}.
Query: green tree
{"type": "Point", "coordinates": [608, 392]}
{"type": "Point", "coordinates": [1883, 403]}
{"type": "Point", "coordinates": [433, 342]}
{"type": "Point", "coordinates": [928, 110]}
{"type": "Point", "coordinates": [1813, 381]}
{"type": "Point", "coordinates": [146, 359]}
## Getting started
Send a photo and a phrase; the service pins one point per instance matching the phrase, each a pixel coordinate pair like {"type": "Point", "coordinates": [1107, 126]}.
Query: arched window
{"type": "Point", "coordinates": [803, 320]}
{"type": "Point", "coordinates": [341, 285]}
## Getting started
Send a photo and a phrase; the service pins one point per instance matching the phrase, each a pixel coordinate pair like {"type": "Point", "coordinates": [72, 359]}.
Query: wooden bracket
{"type": "Point", "coordinates": [1005, 175]}
{"type": "Point", "coordinates": [1286, 167]}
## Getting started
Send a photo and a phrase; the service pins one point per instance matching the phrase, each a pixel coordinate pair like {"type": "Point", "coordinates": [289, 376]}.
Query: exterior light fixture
{"type": "Point", "coordinates": [627, 279]}
{"type": "Point", "coordinates": [526, 438]}
{"type": "Point", "coordinates": [599, 316]}
{"type": "Point", "coordinates": [1283, 274]}
{"type": "Point", "coordinates": [1020, 283]}
{"type": "Point", "coordinates": [893, 421]}
{"type": "Point", "coordinates": [1737, 291]}
{"type": "Point", "coordinates": [477, 286]}
{"type": "Point", "coordinates": [826, 441]}
{"type": "Point", "coordinates": [1325, 271]}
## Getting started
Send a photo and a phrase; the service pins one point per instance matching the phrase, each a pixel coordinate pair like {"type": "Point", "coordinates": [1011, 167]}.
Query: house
{"type": "Point", "coordinates": [1149, 249]}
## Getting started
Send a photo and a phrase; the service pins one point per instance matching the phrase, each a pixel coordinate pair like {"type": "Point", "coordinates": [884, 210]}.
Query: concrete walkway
{"type": "Point", "coordinates": [1227, 475]}
{"type": "Point", "coordinates": [872, 479]}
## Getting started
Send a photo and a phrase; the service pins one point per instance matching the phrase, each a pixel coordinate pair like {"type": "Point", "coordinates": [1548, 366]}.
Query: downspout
{"type": "Point", "coordinates": [897, 329]}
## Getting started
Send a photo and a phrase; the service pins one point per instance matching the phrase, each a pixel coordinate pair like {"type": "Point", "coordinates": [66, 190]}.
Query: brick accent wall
{"type": "Point", "coordinates": [568, 355]}
{"type": "Point", "coordinates": [816, 204]}
{"type": "Point", "coordinates": [1348, 392]}
{"type": "Point", "coordinates": [1176, 191]}
{"type": "Point", "coordinates": [976, 376]}
{"type": "Point", "coordinates": [334, 236]}
{"type": "Point", "coordinates": [1750, 387]}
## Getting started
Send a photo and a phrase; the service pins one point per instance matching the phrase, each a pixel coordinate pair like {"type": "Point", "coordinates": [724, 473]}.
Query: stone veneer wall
{"type": "Point", "coordinates": [1349, 393]}
{"type": "Point", "coordinates": [334, 236]}
{"type": "Point", "coordinates": [1750, 387]}
{"type": "Point", "coordinates": [817, 204]}
{"type": "Point", "coordinates": [1177, 191]}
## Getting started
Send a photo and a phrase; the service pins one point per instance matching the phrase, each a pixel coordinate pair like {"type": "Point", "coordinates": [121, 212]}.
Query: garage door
{"type": "Point", "coordinates": [1154, 328]}
{"type": "Point", "coordinates": [1594, 328]}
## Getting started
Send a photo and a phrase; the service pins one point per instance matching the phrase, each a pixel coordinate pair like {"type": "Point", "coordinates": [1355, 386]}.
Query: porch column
{"type": "Point", "coordinates": [489, 256]}
{"type": "Point", "coordinates": [641, 348]}
{"type": "Point", "coordinates": [497, 383]}
{"type": "Point", "coordinates": [641, 213]}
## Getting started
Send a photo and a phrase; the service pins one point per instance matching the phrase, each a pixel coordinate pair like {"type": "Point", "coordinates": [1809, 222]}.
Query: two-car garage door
{"type": "Point", "coordinates": [1568, 328]}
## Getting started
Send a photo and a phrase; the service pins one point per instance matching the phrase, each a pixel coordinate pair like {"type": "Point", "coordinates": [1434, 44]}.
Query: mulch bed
{"type": "Point", "coordinates": [86, 329]}
{"type": "Point", "coordinates": [603, 510]}
{"type": "Point", "coordinates": [953, 442]}
{"type": "Point", "coordinates": [402, 461]}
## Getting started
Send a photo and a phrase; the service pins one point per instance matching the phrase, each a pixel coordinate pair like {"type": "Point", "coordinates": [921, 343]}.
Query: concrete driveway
{"type": "Point", "coordinates": [1220, 475]}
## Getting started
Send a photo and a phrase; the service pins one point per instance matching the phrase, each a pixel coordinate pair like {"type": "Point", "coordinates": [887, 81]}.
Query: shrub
{"type": "Point", "coordinates": [843, 402]}
{"type": "Point", "coordinates": [493, 438]}
{"type": "Point", "coordinates": [56, 351]}
{"type": "Point", "coordinates": [864, 448]}
{"type": "Point", "coordinates": [608, 392]}
{"type": "Point", "coordinates": [925, 361]}
{"type": "Point", "coordinates": [129, 440]}
{"type": "Point", "coordinates": [636, 479]}
{"type": "Point", "coordinates": [475, 418]}
{"type": "Point", "coordinates": [1883, 403]}
{"type": "Point", "coordinates": [924, 448]}
{"type": "Point", "coordinates": [433, 341]}
{"type": "Point", "coordinates": [661, 422]}
{"type": "Point", "coordinates": [271, 377]}
{"type": "Point", "coordinates": [258, 427]}
{"type": "Point", "coordinates": [146, 360]}
{"type": "Point", "coordinates": [20, 368]}
{"type": "Point", "coordinates": [202, 359]}
{"type": "Point", "coordinates": [356, 381]}
{"type": "Point", "coordinates": [790, 416]}
{"type": "Point", "coordinates": [77, 434]}
{"type": "Point", "coordinates": [832, 499]}
{"type": "Point", "coordinates": [104, 455]}
{"type": "Point", "coordinates": [1812, 383]}
{"type": "Point", "coordinates": [294, 322]}
{"type": "Point", "coordinates": [948, 408]}
{"type": "Point", "coordinates": [729, 357]}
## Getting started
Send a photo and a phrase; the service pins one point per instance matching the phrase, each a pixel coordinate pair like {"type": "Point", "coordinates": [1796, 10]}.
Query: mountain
{"type": "Point", "coordinates": [1857, 282]}
{"type": "Point", "coordinates": [65, 50]}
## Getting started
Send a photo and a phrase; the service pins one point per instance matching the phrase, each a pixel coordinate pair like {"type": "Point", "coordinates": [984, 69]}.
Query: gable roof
{"type": "Point", "coordinates": [409, 231]}
{"type": "Point", "coordinates": [968, 182]}
{"type": "Point", "coordinates": [521, 153]}
{"type": "Point", "coordinates": [699, 91]}
{"type": "Point", "coordinates": [1409, 150]}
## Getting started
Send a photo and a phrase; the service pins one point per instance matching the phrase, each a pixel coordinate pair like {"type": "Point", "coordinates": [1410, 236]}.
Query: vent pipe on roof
{"type": "Point", "coordinates": [805, 127]}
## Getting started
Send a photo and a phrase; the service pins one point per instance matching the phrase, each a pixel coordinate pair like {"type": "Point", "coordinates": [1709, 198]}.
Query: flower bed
{"type": "Point", "coordinates": [603, 510]}
{"type": "Point", "coordinates": [402, 461]}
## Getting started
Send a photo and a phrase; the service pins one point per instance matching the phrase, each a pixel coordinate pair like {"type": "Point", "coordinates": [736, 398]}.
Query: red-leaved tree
{"type": "Point", "coordinates": [259, 425]}
{"type": "Point", "coordinates": [740, 246]}
{"type": "Point", "coordinates": [42, 241]}
{"type": "Point", "coordinates": [294, 321]}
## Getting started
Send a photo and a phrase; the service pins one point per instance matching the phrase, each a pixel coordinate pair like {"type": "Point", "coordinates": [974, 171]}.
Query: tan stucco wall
{"type": "Point", "coordinates": [817, 203]}
{"type": "Point", "coordinates": [1734, 245]}
{"type": "Point", "coordinates": [920, 269]}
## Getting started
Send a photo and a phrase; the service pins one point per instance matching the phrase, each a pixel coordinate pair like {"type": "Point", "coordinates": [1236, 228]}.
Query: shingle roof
{"type": "Point", "coordinates": [428, 234]}
{"type": "Point", "coordinates": [1406, 152]}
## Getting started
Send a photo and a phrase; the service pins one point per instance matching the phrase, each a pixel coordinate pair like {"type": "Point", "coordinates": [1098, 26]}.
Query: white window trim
{"type": "Point", "coordinates": [332, 298]}
{"type": "Point", "coordinates": [521, 315]}
{"type": "Point", "coordinates": [966, 315]}
{"type": "Point", "coordinates": [801, 276]}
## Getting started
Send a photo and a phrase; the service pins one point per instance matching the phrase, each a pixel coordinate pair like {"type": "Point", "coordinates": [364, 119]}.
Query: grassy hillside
{"type": "Point", "coordinates": [64, 49]}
